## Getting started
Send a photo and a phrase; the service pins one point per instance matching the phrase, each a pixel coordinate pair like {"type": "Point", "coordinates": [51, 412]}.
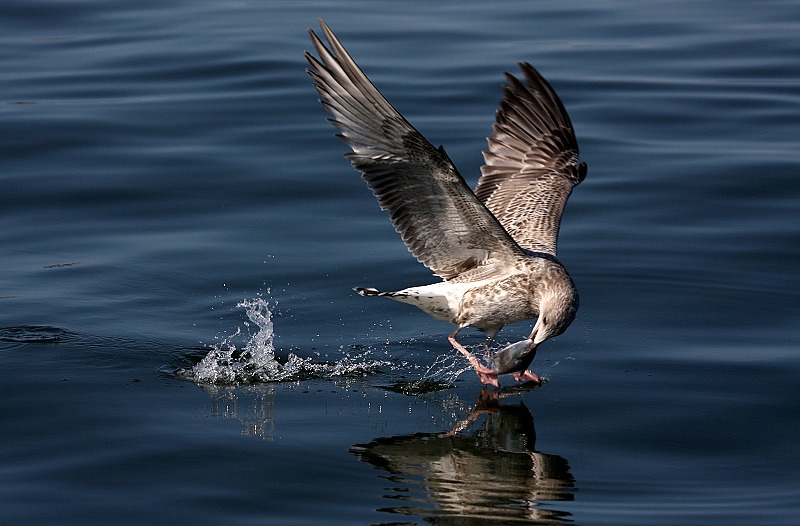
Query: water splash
{"type": "Point", "coordinates": [256, 362]}
{"type": "Point", "coordinates": [440, 375]}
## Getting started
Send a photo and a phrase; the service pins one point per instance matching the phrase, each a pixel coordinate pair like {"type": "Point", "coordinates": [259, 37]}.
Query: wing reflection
{"type": "Point", "coordinates": [484, 470]}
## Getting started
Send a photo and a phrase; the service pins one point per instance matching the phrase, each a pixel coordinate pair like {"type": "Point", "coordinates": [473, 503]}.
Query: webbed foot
{"type": "Point", "coordinates": [488, 377]}
{"type": "Point", "coordinates": [527, 376]}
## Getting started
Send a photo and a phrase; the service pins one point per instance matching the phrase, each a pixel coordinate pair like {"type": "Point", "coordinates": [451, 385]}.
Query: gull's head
{"type": "Point", "coordinates": [557, 309]}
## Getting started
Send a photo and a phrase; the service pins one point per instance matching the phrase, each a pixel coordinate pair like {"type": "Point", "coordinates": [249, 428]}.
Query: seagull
{"type": "Point", "coordinates": [494, 248]}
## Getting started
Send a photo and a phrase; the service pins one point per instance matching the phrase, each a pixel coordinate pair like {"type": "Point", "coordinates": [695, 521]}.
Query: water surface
{"type": "Point", "coordinates": [168, 182]}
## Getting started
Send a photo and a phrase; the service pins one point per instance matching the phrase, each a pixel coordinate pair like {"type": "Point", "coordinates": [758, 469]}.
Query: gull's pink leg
{"type": "Point", "coordinates": [487, 403]}
{"type": "Point", "coordinates": [527, 375]}
{"type": "Point", "coordinates": [486, 375]}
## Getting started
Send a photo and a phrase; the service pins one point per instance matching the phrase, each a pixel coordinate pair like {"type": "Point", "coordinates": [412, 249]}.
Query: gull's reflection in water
{"type": "Point", "coordinates": [485, 470]}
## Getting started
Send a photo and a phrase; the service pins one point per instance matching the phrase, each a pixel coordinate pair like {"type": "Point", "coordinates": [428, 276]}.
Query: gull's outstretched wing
{"type": "Point", "coordinates": [440, 219]}
{"type": "Point", "coordinates": [532, 162]}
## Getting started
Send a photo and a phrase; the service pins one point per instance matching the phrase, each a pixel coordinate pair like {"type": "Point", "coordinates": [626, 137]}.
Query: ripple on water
{"type": "Point", "coordinates": [32, 334]}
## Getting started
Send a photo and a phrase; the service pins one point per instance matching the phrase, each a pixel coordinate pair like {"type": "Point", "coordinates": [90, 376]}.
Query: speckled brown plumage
{"type": "Point", "coordinates": [494, 248]}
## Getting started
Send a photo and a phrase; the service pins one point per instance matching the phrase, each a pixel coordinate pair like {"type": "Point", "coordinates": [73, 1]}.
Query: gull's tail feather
{"type": "Point", "coordinates": [368, 291]}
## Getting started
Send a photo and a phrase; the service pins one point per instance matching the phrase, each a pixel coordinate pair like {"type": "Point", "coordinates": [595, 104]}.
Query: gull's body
{"type": "Point", "coordinates": [494, 248]}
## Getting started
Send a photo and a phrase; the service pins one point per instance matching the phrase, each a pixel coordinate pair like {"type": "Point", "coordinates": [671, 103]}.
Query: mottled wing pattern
{"type": "Point", "coordinates": [440, 219]}
{"type": "Point", "coordinates": [532, 162]}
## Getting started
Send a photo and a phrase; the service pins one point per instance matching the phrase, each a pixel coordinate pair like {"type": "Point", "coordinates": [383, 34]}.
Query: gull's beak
{"type": "Point", "coordinates": [535, 330]}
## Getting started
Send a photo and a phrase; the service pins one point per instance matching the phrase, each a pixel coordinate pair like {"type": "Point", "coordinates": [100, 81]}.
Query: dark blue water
{"type": "Point", "coordinates": [169, 188]}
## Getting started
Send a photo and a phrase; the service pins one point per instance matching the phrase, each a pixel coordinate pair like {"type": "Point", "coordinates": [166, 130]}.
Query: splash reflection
{"type": "Point", "coordinates": [253, 407]}
{"type": "Point", "coordinates": [484, 470]}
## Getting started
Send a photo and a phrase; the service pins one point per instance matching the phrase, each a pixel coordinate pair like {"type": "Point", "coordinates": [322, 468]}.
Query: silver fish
{"type": "Point", "coordinates": [514, 357]}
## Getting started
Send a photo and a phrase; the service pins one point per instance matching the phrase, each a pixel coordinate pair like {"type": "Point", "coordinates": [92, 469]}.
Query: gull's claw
{"type": "Point", "coordinates": [488, 378]}
{"type": "Point", "coordinates": [527, 375]}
